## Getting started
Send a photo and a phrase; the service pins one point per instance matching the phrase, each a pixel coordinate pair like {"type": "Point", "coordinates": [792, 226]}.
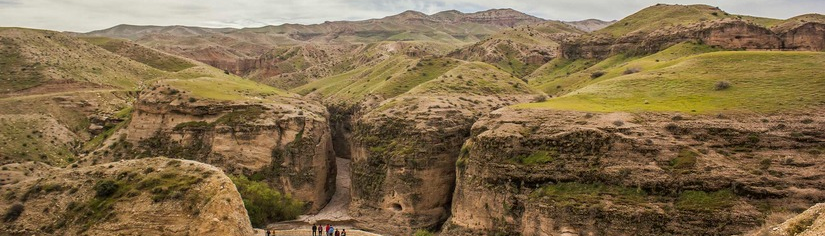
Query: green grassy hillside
{"type": "Point", "coordinates": [150, 57]}
{"type": "Point", "coordinates": [562, 76]}
{"type": "Point", "coordinates": [706, 83]}
{"type": "Point", "coordinates": [474, 79]}
{"type": "Point", "coordinates": [663, 15]}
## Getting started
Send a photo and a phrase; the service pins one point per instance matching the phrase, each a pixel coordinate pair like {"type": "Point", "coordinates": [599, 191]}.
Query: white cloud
{"type": "Point", "coordinates": [86, 15]}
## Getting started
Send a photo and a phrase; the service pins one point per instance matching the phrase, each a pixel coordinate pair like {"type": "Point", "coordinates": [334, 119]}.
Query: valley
{"type": "Point", "coordinates": [675, 120]}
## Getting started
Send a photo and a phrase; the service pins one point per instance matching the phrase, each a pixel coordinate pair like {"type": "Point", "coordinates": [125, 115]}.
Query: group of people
{"type": "Point", "coordinates": [329, 230]}
{"type": "Point", "coordinates": [320, 230]}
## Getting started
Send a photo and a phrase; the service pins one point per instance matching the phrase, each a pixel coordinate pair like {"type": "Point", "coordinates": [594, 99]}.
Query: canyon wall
{"type": "Point", "coordinates": [727, 34]}
{"type": "Point", "coordinates": [545, 172]}
{"type": "Point", "coordinates": [283, 141]}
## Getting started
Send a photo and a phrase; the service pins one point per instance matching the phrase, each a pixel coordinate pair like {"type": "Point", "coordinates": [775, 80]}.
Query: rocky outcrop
{"type": "Point", "coordinates": [403, 158]}
{"type": "Point", "coordinates": [731, 34]}
{"type": "Point", "coordinates": [157, 196]}
{"type": "Point", "coordinates": [808, 223]}
{"type": "Point", "coordinates": [283, 141]}
{"type": "Point", "coordinates": [546, 172]}
{"type": "Point", "coordinates": [806, 37]}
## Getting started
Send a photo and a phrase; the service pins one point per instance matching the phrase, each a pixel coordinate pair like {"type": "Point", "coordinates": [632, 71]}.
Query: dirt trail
{"type": "Point", "coordinates": [335, 212]}
{"type": "Point", "coordinates": [336, 209]}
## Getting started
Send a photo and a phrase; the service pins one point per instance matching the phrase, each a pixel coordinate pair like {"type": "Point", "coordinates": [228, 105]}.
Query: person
{"type": "Point", "coordinates": [337, 233]}
{"type": "Point", "coordinates": [326, 231]}
{"type": "Point", "coordinates": [268, 233]}
{"type": "Point", "coordinates": [320, 230]}
{"type": "Point", "coordinates": [331, 231]}
{"type": "Point", "coordinates": [314, 229]}
{"type": "Point", "coordinates": [344, 232]}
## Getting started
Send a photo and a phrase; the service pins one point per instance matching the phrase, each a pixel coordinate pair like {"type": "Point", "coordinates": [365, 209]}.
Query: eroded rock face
{"type": "Point", "coordinates": [727, 34]}
{"type": "Point", "coordinates": [155, 196]}
{"type": "Point", "coordinates": [285, 142]}
{"type": "Point", "coordinates": [807, 37]}
{"type": "Point", "coordinates": [545, 172]}
{"type": "Point", "coordinates": [403, 159]}
{"type": "Point", "coordinates": [808, 223]}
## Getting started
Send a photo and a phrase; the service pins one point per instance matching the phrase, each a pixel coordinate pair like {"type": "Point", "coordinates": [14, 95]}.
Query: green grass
{"type": "Point", "coordinates": [474, 78]}
{"type": "Point", "coordinates": [706, 202]}
{"type": "Point", "coordinates": [265, 204]}
{"type": "Point", "coordinates": [141, 54]}
{"type": "Point", "coordinates": [425, 70]}
{"type": "Point", "coordinates": [661, 16]}
{"type": "Point", "coordinates": [685, 160]}
{"type": "Point", "coordinates": [763, 82]}
{"type": "Point", "coordinates": [16, 73]}
{"type": "Point", "coordinates": [562, 76]}
{"type": "Point", "coordinates": [536, 158]}
{"type": "Point", "coordinates": [582, 194]}
{"type": "Point", "coordinates": [225, 88]}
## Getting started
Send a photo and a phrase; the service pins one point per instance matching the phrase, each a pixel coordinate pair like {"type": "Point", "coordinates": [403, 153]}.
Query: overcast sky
{"type": "Point", "coordinates": [87, 15]}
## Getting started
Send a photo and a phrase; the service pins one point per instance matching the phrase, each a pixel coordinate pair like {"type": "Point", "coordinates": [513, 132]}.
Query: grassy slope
{"type": "Point", "coordinates": [56, 56]}
{"type": "Point", "coordinates": [150, 57]}
{"type": "Point", "coordinates": [390, 78]}
{"type": "Point", "coordinates": [562, 76]}
{"type": "Point", "coordinates": [662, 15]}
{"type": "Point", "coordinates": [474, 78]}
{"type": "Point", "coordinates": [761, 82]}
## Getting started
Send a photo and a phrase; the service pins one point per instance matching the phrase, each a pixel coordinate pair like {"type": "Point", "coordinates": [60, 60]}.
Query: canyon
{"type": "Point", "coordinates": [676, 120]}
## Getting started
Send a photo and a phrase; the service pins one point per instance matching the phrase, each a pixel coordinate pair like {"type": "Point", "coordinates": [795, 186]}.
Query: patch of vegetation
{"type": "Point", "coordinates": [800, 226]}
{"type": "Point", "coordinates": [13, 212]}
{"type": "Point", "coordinates": [685, 160]}
{"type": "Point", "coordinates": [537, 157]}
{"type": "Point", "coordinates": [198, 125]}
{"type": "Point", "coordinates": [15, 72]}
{"type": "Point", "coordinates": [721, 85]}
{"type": "Point", "coordinates": [239, 117]}
{"type": "Point", "coordinates": [141, 54]}
{"type": "Point", "coordinates": [168, 184]}
{"type": "Point", "coordinates": [702, 201]}
{"type": "Point", "coordinates": [423, 232]}
{"type": "Point", "coordinates": [106, 188]}
{"type": "Point", "coordinates": [224, 87]}
{"type": "Point", "coordinates": [265, 204]}
{"type": "Point", "coordinates": [583, 194]}
{"type": "Point", "coordinates": [766, 82]}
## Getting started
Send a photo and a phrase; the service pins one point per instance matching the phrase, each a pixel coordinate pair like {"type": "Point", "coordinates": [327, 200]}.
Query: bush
{"type": "Point", "coordinates": [618, 123]}
{"type": "Point", "coordinates": [597, 74]}
{"type": "Point", "coordinates": [105, 188]}
{"type": "Point", "coordinates": [633, 70]}
{"type": "Point", "coordinates": [13, 213]}
{"type": "Point", "coordinates": [422, 232]}
{"type": "Point", "coordinates": [265, 204]}
{"type": "Point", "coordinates": [722, 85]}
{"type": "Point", "coordinates": [539, 98]}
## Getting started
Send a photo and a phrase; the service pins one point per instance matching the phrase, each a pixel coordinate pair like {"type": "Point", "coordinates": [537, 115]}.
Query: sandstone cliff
{"type": "Point", "coordinates": [546, 172]}
{"type": "Point", "coordinates": [283, 141]}
{"type": "Point", "coordinates": [404, 150]}
{"type": "Point", "coordinates": [157, 196]}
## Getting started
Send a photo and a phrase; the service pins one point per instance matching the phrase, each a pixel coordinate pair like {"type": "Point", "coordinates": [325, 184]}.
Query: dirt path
{"type": "Point", "coordinates": [334, 213]}
{"type": "Point", "coordinates": [336, 209]}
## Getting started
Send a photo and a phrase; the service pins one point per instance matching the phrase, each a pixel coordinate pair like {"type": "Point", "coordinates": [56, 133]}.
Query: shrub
{"type": "Point", "coordinates": [722, 85]}
{"type": "Point", "coordinates": [539, 98]}
{"type": "Point", "coordinates": [265, 204]}
{"type": "Point", "coordinates": [618, 123]}
{"type": "Point", "coordinates": [632, 70]}
{"type": "Point", "coordinates": [596, 74]}
{"type": "Point", "coordinates": [106, 188]}
{"type": "Point", "coordinates": [422, 232]}
{"type": "Point", "coordinates": [13, 213]}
